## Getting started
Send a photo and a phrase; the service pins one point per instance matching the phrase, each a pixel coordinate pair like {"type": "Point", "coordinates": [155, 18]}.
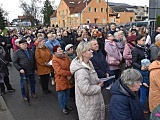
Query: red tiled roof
{"type": "Point", "coordinates": [71, 3]}
{"type": "Point", "coordinates": [76, 6]}
{"type": "Point", "coordinates": [54, 14]}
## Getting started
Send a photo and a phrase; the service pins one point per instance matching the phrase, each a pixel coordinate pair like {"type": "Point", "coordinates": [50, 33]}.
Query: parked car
{"type": "Point", "coordinates": [149, 24]}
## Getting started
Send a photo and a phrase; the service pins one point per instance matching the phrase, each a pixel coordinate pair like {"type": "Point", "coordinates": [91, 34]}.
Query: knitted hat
{"type": "Point", "coordinates": [131, 38]}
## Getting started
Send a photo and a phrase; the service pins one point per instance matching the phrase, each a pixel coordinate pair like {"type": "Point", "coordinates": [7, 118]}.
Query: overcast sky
{"type": "Point", "coordinates": [12, 6]}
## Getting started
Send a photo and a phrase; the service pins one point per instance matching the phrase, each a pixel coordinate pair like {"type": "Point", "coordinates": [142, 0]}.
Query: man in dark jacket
{"type": "Point", "coordinates": [5, 74]}
{"type": "Point", "coordinates": [99, 62]}
{"type": "Point", "coordinates": [61, 41]}
{"type": "Point", "coordinates": [24, 61]}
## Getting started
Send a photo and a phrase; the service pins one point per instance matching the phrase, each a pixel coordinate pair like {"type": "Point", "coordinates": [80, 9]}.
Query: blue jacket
{"type": "Point", "coordinates": [124, 104]}
{"type": "Point", "coordinates": [50, 44]}
{"type": "Point", "coordinates": [100, 64]}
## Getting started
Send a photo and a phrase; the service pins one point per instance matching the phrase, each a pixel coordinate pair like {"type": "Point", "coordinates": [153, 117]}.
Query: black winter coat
{"type": "Point", "coordinates": [124, 104]}
{"type": "Point", "coordinates": [100, 65]}
{"type": "Point", "coordinates": [21, 61]}
{"type": "Point", "coordinates": [138, 55]}
{"type": "Point", "coordinates": [3, 68]}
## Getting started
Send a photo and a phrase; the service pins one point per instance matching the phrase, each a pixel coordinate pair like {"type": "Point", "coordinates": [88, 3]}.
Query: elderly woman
{"type": "Point", "coordinates": [89, 100]}
{"type": "Point", "coordinates": [43, 57]}
{"type": "Point", "coordinates": [154, 90]}
{"type": "Point", "coordinates": [124, 103]}
{"type": "Point", "coordinates": [61, 63]}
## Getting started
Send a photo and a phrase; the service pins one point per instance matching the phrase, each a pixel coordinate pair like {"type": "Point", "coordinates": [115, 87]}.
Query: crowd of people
{"type": "Point", "coordinates": [77, 61]}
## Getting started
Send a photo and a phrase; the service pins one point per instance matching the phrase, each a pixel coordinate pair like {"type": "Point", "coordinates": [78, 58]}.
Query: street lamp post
{"type": "Point", "coordinates": [107, 11]}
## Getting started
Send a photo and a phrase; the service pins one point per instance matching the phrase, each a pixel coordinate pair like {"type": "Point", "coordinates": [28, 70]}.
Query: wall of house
{"type": "Point", "coordinates": [62, 14]}
{"type": "Point", "coordinates": [95, 12]}
{"type": "Point", "coordinates": [125, 17]}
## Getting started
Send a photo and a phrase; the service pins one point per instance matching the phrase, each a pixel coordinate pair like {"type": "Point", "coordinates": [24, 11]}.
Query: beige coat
{"type": "Point", "coordinates": [89, 100]}
{"type": "Point", "coordinates": [154, 91]}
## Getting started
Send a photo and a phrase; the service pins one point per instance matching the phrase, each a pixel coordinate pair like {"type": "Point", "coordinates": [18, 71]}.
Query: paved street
{"type": "Point", "coordinates": [45, 107]}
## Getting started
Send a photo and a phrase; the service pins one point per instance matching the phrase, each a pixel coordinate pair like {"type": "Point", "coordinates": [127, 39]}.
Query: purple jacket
{"type": "Point", "coordinates": [127, 54]}
{"type": "Point", "coordinates": [112, 51]}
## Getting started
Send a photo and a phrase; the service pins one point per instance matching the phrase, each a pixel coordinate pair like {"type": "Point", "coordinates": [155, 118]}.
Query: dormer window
{"type": "Point", "coordinates": [71, 2]}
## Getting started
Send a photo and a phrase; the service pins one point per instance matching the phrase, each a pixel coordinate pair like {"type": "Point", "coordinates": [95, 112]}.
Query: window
{"type": "Point", "coordinates": [66, 11]}
{"type": "Point", "coordinates": [72, 21]}
{"type": "Point", "coordinates": [88, 20]}
{"type": "Point", "coordinates": [62, 12]}
{"type": "Point", "coordinates": [90, 9]}
{"type": "Point", "coordinates": [59, 12]}
{"type": "Point", "coordinates": [95, 20]}
{"type": "Point", "coordinates": [106, 9]}
{"type": "Point", "coordinates": [95, 9]}
{"type": "Point", "coordinates": [99, 1]}
{"type": "Point", "coordinates": [77, 20]}
{"type": "Point", "coordinates": [102, 10]}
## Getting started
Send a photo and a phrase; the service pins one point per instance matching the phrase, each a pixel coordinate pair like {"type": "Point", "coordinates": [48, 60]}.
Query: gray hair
{"type": "Point", "coordinates": [130, 76]}
{"type": "Point", "coordinates": [157, 37]}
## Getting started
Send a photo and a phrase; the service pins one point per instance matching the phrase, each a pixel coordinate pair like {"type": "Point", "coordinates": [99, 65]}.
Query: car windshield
{"type": "Point", "coordinates": [140, 24]}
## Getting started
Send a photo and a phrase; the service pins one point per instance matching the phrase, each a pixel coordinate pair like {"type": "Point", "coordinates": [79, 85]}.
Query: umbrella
{"type": "Point", "coordinates": [26, 89]}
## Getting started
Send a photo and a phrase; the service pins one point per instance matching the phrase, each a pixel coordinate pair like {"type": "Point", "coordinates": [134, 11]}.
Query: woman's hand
{"type": "Point", "coordinates": [101, 84]}
{"type": "Point", "coordinates": [145, 85]}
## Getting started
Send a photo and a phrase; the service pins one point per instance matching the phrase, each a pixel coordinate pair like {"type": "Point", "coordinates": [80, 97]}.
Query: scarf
{"type": "Point", "coordinates": [145, 50]}
{"type": "Point", "coordinates": [59, 55]}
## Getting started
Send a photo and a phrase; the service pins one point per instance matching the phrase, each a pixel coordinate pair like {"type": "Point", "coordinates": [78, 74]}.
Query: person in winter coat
{"type": "Point", "coordinates": [89, 100]}
{"type": "Point", "coordinates": [24, 62]}
{"type": "Point", "coordinates": [61, 41]}
{"type": "Point", "coordinates": [144, 32]}
{"type": "Point", "coordinates": [70, 51]}
{"type": "Point", "coordinates": [14, 46]}
{"type": "Point", "coordinates": [5, 73]}
{"type": "Point", "coordinates": [67, 38]}
{"type": "Point", "coordinates": [51, 42]}
{"type": "Point", "coordinates": [43, 57]}
{"type": "Point", "coordinates": [127, 53]}
{"type": "Point", "coordinates": [154, 90]}
{"type": "Point", "coordinates": [99, 62]}
{"type": "Point", "coordinates": [61, 63]}
{"type": "Point", "coordinates": [113, 55]}
{"type": "Point", "coordinates": [155, 48]}
{"type": "Point", "coordinates": [140, 52]}
{"type": "Point", "coordinates": [124, 103]}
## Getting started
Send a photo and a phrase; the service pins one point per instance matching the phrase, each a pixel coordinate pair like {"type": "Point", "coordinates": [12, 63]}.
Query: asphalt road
{"type": "Point", "coordinates": [45, 107]}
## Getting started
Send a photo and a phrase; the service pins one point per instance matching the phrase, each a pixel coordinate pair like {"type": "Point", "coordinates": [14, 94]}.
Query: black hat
{"type": "Point", "coordinates": [22, 41]}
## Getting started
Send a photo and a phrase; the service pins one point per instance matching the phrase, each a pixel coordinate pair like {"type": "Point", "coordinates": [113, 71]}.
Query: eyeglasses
{"type": "Point", "coordinates": [58, 35]}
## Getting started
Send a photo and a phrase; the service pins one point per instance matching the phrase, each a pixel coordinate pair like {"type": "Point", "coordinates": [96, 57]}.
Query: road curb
{"type": "Point", "coordinates": [4, 112]}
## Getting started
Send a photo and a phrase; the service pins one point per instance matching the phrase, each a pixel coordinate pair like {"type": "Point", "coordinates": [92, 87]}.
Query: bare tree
{"type": "Point", "coordinates": [31, 10]}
